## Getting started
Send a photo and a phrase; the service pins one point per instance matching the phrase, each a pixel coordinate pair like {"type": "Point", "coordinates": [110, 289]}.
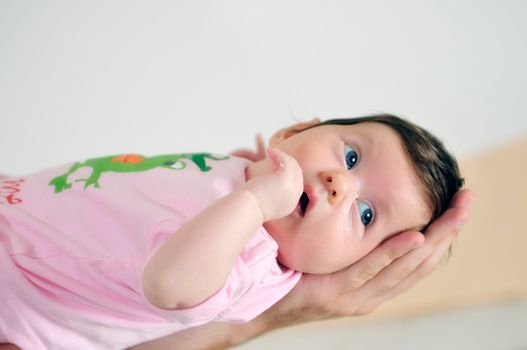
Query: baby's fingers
{"type": "Point", "coordinates": [245, 153]}
{"type": "Point", "coordinates": [260, 147]}
{"type": "Point", "coordinates": [284, 163]}
{"type": "Point", "coordinates": [250, 154]}
{"type": "Point", "coordinates": [277, 158]}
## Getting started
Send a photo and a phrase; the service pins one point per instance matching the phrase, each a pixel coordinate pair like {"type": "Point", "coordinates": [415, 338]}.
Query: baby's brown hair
{"type": "Point", "coordinates": [435, 167]}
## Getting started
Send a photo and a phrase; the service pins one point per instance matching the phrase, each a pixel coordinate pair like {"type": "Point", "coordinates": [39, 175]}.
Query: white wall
{"type": "Point", "coordinates": [86, 78]}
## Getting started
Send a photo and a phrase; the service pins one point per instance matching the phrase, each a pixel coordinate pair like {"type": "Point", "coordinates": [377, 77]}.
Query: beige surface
{"type": "Point", "coordinates": [489, 260]}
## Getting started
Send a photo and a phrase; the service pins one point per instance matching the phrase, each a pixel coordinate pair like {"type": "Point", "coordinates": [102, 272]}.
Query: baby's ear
{"type": "Point", "coordinates": [294, 129]}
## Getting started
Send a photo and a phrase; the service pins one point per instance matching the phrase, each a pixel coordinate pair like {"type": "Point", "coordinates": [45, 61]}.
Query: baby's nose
{"type": "Point", "coordinates": [337, 184]}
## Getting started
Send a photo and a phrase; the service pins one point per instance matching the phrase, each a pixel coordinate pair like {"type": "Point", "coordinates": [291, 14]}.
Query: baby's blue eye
{"type": "Point", "coordinates": [351, 157]}
{"type": "Point", "coordinates": [365, 212]}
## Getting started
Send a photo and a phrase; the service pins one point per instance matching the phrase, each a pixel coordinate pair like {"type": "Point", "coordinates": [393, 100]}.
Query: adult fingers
{"type": "Point", "coordinates": [368, 267]}
{"type": "Point", "coordinates": [463, 198]}
{"type": "Point", "coordinates": [410, 268]}
{"type": "Point", "coordinates": [378, 285]}
{"type": "Point", "coordinates": [423, 270]}
{"type": "Point", "coordinates": [389, 277]}
{"type": "Point", "coordinates": [449, 223]}
{"type": "Point", "coordinates": [443, 228]}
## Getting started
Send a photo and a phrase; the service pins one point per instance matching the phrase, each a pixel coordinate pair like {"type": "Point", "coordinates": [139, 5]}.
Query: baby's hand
{"type": "Point", "coordinates": [279, 189]}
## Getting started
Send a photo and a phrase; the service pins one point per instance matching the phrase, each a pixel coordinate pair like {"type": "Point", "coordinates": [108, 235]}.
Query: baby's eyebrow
{"type": "Point", "coordinates": [368, 140]}
{"type": "Point", "coordinates": [363, 142]}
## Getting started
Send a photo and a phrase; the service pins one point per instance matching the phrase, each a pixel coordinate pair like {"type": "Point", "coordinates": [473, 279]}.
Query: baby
{"type": "Point", "coordinates": [116, 251]}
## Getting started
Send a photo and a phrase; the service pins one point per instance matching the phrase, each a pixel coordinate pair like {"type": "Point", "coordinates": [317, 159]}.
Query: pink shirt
{"type": "Point", "coordinates": [74, 240]}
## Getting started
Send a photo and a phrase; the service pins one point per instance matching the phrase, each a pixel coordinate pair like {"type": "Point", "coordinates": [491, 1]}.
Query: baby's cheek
{"type": "Point", "coordinates": [331, 254]}
{"type": "Point", "coordinates": [350, 246]}
{"type": "Point", "coordinates": [370, 241]}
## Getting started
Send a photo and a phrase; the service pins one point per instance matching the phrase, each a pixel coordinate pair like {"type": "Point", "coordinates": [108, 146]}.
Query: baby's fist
{"type": "Point", "coordinates": [279, 188]}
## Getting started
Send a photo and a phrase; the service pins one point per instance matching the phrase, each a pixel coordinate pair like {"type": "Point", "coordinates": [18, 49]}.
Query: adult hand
{"type": "Point", "coordinates": [387, 271]}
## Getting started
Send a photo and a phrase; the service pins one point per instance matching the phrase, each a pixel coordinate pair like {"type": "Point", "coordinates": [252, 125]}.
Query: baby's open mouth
{"type": "Point", "coordinates": [303, 203]}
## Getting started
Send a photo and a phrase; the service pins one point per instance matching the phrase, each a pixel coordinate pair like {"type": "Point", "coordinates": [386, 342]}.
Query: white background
{"type": "Point", "coordinates": [88, 78]}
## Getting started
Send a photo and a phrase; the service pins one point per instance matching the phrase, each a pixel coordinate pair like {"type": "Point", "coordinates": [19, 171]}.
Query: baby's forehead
{"type": "Point", "coordinates": [369, 133]}
{"type": "Point", "coordinates": [369, 129]}
{"type": "Point", "coordinates": [375, 139]}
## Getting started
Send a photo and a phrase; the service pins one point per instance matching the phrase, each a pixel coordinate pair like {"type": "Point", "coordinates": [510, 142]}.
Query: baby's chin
{"type": "Point", "coordinates": [303, 266]}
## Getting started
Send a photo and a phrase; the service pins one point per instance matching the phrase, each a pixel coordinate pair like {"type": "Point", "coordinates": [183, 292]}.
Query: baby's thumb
{"type": "Point", "coordinates": [277, 158]}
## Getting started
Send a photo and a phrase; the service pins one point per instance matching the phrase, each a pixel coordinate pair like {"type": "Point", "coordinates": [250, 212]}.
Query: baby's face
{"type": "Point", "coordinates": [359, 189]}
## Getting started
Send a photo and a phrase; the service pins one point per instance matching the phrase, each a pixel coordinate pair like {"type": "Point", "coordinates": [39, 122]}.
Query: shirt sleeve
{"type": "Point", "coordinates": [269, 281]}
{"type": "Point", "coordinates": [213, 308]}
